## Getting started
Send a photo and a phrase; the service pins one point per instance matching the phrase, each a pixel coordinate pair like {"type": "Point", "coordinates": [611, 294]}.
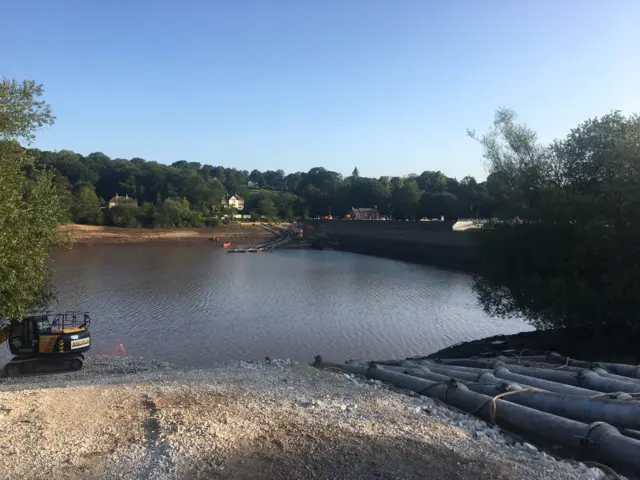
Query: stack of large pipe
{"type": "Point", "coordinates": [595, 411]}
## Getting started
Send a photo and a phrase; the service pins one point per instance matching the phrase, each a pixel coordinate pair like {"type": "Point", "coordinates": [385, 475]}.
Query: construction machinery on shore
{"type": "Point", "coordinates": [44, 342]}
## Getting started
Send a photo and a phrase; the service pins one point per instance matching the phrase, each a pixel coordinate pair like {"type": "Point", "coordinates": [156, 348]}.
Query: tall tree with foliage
{"type": "Point", "coordinates": [85, 207]}
{"type": "Point", "coordinates": [126, 215]}
{"type": "Point", "coordinates": [267, 208]}
{"type": "Point", "coordinates": [574, 258]}
{"type": "Point", "coordinates": [30, 209]}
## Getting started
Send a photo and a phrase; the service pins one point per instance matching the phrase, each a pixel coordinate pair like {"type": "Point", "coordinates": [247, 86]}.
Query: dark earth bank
{"type": "Point", "coordinates": [577, 343]}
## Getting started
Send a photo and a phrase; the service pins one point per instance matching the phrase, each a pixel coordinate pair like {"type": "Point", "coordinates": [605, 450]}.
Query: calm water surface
{"type": "Point", "coordinates": [194, 304]}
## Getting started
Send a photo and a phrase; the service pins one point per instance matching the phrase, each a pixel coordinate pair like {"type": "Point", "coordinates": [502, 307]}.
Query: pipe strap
{"type": "Point", "coordinates": [494, 406]}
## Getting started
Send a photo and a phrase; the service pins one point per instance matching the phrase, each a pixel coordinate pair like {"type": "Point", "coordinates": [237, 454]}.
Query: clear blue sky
{"type": "Point", "coordinates": [387, 86]}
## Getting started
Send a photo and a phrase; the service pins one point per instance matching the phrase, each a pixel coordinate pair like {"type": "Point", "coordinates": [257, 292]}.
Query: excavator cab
{"type": "Point", "coordinates": [43, 342]}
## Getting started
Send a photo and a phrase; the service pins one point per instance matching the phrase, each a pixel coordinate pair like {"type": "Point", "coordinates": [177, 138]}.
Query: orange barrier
{"type": "Point", "coordinates": [117, 351]}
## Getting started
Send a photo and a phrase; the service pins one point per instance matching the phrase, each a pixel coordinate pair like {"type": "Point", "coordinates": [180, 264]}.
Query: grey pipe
{"type": "Point", "coordinates": [555, 387]}
{"type": "Point", "coordinates": [481, 380]}
{"type": "Point", "coordinates": [483, 376]}
{"type": "Point", "coordinates": [421, 372]}
{"type": "Point", "coordinates": [620, 413]}
{"type": "Point", "coordinates": [503, 373]}
{"type": "Point", "coordinates": [493, 390]}
{"type": "Point", "coordinates": [585, 379]}
{"type": "Point", "coordinates": [471, 362]}
{"type": "Point", "coordinates": [457, 374]}
{"type": "Point", "coordinates": [603, 373]}
{"type": "Point", "coordinates": [614, 448]}
{"type": "Point", "coordinates": [525, 362]}
{"type": "Point", "coordinates": [601, 441]}
{"type": "Point", "coordinates": [427, 364]}
{"type": "Point", "coordinates": [605, 441]}
{"type": "Point", "coordinates": [622, 369]}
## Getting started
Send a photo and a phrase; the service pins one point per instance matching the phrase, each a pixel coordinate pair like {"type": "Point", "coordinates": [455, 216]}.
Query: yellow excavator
{"type": "Point", "coordinates": [44, 342]}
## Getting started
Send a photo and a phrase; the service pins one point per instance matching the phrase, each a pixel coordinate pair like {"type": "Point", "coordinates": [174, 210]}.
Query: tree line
{"type": "Point", "coordinates": [189, 193]}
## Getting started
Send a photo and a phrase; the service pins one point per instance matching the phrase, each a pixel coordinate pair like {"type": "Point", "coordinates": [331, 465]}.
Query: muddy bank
{"type": "Point", "coordinates": [427, 243]}
{"type": "Point", "coordinates": [453, 257]}
{"type": "Point", "coordinates": [131, 418]}
{"type": "Point", "coordinates": [573, 342]}
{"type": "Point", "coordinates": [98, 235]}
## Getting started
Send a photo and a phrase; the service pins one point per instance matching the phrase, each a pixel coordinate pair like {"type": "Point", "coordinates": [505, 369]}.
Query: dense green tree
{"type": "Point", "coordinates": [432, 182]}
{"type": "Point", "coordinates": [292, 181]}
{"type": "Point", "coordinates": [65, 197]}
{"type": "Point", "coordinates": [22, 113]}
{"type": "Point", "coordinates": [439, 204]}
{"type": "Point", "coordinates": [574, 258]}
{"type": "Point", "coordinates": [405, 200]}
{"type": "Point", "coordinates": [125, 215]}
{"type": "Point", "coordinates": [273, 179]}
{"type": "Point", "coordinates": [30, 208]}
{"type": "Point", "coordinates": [148, 214]}
{"type": "Point", "coordinates": [256, 177]}
{"type": "Point", "coordinates": [267, 208]}
{"type": "Point", "coordinates": [86, 206]}
{"type": "Point", "coordinates": [177, 213]}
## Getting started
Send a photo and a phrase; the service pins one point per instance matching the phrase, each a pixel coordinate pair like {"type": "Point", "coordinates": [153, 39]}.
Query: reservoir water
{"type": "Point", "coordinates": [194, 305]}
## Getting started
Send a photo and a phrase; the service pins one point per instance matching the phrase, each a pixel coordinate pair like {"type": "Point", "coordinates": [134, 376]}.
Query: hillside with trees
{"type": "Point", "coordinates": [189, 193]}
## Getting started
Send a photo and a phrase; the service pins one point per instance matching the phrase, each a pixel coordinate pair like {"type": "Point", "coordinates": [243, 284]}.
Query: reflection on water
{"type": "Point", "coordinates": [193, 304]}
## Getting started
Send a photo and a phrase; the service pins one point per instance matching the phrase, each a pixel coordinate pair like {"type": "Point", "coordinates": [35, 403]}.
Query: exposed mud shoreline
{"type": "Point", "coordinates": [97, 235]}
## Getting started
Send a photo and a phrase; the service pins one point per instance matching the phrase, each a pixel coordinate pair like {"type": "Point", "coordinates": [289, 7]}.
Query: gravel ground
{"type": "Point", "coordinates": [133, 418]}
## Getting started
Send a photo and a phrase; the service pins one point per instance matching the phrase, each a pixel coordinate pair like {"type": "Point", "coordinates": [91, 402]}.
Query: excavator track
{"type": "Point", "coordinates": [27, 366]}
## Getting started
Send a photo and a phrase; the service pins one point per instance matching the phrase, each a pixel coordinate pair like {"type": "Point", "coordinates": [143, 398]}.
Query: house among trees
{"type": "Point", "coordinates": [118, 200]}
{"type": "Point", "coordinates": [365, 213]}
{"type": "Point", "coordinates": [234, 201]}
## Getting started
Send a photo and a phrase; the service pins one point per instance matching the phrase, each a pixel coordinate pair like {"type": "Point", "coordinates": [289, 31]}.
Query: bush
{"type": "Point", "coordinates": [85, 207]}
{"type": "Point", "coordinates": [125, 215]}
{"type": "Point", "coordinates": [148, 214]}
{"type": "Point", "coordinates": [196, 220]}
{"type": "Point", "coordinates": [176, 213]}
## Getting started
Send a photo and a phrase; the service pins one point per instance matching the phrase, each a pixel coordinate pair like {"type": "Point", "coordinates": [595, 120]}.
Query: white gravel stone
{"type": "Point", "coordinates": [290, 414]}
{"type": "Point", "coordinates": [593, 474]}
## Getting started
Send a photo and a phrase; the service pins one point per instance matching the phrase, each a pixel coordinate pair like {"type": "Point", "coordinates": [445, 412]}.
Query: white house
{"type": "Point", "coordinates": [118, 200]}
{"type": "Point", "coordinates": [234, 201]}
